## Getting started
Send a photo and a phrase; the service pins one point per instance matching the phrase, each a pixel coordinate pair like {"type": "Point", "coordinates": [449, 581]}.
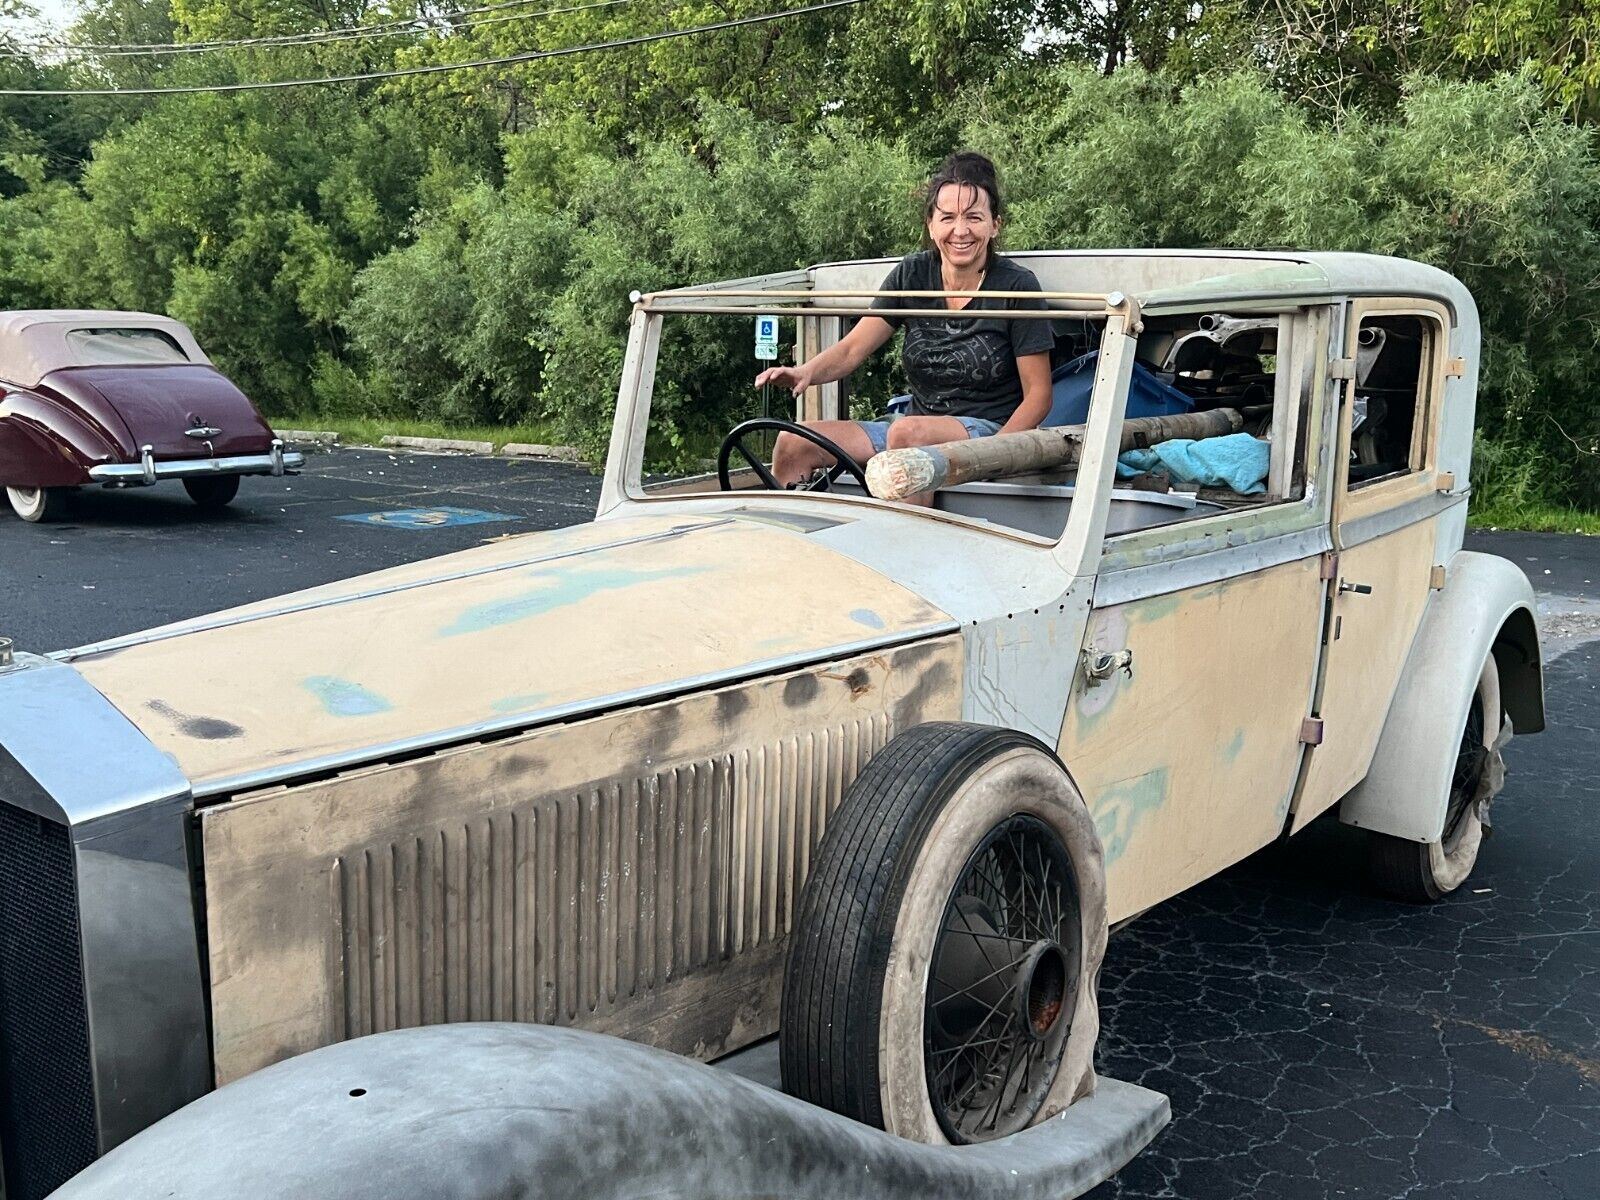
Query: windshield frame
{"type": "Point", "coordinates": [1076, 548]}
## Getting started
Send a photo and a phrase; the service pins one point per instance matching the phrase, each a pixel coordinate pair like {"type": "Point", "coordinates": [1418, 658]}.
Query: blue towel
{"type": "Point", "coordinates": [1237, 461]}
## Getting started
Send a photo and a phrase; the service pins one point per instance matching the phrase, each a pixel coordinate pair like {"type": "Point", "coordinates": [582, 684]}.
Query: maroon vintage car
{"type": "Point", "coordinates": [122, 399]}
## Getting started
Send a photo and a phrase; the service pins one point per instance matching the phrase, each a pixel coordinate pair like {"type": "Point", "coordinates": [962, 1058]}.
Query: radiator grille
{"type": "Point", "coordinates": [577, 904]}
{"type": "Point", "coordinates": [47, 1131]}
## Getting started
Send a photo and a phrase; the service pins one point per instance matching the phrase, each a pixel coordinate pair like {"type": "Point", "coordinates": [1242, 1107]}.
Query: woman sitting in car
{"type": "Point", "coordinates": [970, 376]}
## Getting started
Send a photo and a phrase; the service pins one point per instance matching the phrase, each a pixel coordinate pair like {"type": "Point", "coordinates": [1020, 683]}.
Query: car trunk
{"type": "Point", "coordinates": [157, 405]}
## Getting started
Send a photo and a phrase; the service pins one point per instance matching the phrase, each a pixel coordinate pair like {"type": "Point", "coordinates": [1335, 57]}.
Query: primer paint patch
{"type": "Point", "coordinates": [1122, 807]}
{"type": "Point", "coordinates": [342, 698]}
{"type": "Point", "coordinates": [865, 616]}
{"type": "Point", "coordinates": [427, 518]}
{"type": "Point", "coordinates": [558, 589]}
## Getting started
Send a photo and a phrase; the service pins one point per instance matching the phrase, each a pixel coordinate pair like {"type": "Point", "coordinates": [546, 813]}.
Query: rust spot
{"type": "Point", "coordinates": [210, 729]}
{"type": "Point", "coordinates": [858, 681]}
{"type": "Point", "coordinates": [800, 690]}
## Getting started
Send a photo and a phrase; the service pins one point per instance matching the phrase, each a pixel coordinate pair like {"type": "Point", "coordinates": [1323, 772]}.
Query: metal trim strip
{"type": "Point", "coordinates": [1366, 529]}
{"type": "Point", "coordinates": [1202, 566]}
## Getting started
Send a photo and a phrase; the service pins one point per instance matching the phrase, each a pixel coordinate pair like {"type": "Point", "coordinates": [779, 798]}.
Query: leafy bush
{"type": "Point", "coordinates": [385, 254]}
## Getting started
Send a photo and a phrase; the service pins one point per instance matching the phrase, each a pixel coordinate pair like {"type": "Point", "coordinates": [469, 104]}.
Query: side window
{"type": "Point", "coordinates": [1390, 413]}
{"type": "Point", "coordinates": [1230, 360]}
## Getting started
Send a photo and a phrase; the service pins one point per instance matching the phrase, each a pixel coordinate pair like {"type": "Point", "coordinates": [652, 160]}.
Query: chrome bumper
{"type": "Point", "coordinates": [147, 471]}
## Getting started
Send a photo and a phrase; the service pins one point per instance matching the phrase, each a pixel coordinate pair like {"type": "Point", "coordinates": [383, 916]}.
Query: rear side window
{"type": "Point", "coordinates": [117, 347]}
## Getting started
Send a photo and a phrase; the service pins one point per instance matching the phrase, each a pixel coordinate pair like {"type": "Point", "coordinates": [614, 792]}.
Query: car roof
{"type": "Point", "coordinates": [33, 342]}
{"type": "Point", "coordinates": [1164, 277]}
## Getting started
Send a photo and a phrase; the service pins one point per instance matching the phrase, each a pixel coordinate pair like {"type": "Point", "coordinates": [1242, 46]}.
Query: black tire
{"type": "Point", "coordinates": [1425, 872]}
{"type": "Point", "coordinates": [852, 1021]}
{"type": "Point", "coordinates": [212, 492]}
{"type": "Point", "coordinates": [37, 504]}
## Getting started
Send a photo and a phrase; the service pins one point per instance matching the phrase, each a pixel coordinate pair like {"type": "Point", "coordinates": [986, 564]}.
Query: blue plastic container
{"type": "Point", "coordinates": [1148, 394]}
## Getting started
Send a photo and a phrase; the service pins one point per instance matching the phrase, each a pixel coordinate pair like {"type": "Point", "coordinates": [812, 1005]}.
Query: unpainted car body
{"type": "Point", "coordinates": [581, 778]}
{"type": "Point", "coordinates": [121, 399]}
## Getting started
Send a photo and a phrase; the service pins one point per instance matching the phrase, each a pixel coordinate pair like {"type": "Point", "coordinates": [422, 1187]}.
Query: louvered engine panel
{"type": "Point", "coordinates": [547, 877]}
{"type": "Point", "coordinates": [570, 906]}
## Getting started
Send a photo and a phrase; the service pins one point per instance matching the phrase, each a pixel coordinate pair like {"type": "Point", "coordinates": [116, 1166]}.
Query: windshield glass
{"type": "Point", "coordinates": [122, 347]}
{"type": "Point", "coordinates": [705, 386]}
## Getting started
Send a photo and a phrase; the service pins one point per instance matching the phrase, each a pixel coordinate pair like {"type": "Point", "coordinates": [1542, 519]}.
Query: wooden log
{"type": "Point", "coordinates": [896, 474]}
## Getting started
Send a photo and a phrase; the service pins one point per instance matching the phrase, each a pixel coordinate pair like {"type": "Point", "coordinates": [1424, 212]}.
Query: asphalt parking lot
{"type": "Point", "coordinates": [1316, 1041]}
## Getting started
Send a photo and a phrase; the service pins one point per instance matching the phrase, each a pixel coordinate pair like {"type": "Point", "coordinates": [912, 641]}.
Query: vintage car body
{"type": "Point", "coordinates": [121, 399]}
{"type": "Point", "coordinates": [581, 778]}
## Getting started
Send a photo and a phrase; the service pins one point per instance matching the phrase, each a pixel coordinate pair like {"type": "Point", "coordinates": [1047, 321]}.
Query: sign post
{"type": "Point", "coordinates": [766, 338]}
{"type": "Point", "coordinates": [766, 351]}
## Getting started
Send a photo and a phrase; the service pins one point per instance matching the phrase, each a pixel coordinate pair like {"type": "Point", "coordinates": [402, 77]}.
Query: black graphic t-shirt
{"type": "Point", "coordinates": [963, 366]}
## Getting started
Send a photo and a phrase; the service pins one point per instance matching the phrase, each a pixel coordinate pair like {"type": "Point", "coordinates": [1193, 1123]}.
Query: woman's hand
{"type": "Point", "coordinates": [796, 379]}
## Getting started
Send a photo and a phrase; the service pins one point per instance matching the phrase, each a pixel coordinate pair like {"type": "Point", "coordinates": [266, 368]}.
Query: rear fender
{"type": "Point", "coordinates": [43, 444]}
{"type": "Point", "coordinates": [1486, 607]}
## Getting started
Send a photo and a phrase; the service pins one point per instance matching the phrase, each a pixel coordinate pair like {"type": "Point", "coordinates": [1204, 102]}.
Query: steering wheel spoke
{"type": "Point", "coordinates": [842, 463]}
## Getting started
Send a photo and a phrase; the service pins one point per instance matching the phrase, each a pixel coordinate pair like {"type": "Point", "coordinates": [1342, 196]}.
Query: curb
{"type": "Point", "coordinates": [308, 435]}
{"type": "Point", "coordinates": [424, 443]}
{"type": "Point", "coordinates": [442, 445]}
{"type": "Point", "coordinates": [538, 450]}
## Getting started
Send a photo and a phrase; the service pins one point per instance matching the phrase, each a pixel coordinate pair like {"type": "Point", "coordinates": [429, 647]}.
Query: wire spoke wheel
{"type": "Point", "coordinates": [1005, 970]}
{"type": "Point", "coordinates": [1471, 758]}
{"type": "Point", "coordinates": [941, 974]}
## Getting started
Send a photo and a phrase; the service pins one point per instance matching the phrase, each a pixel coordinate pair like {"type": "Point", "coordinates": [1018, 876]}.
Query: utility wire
{"type": "Point", "coordinates": [379, 29]}
{"type": "Point", "coordinates": [440, 68]}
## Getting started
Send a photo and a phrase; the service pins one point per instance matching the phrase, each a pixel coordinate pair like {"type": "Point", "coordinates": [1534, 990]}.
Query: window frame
{"type": "Point", "coordinates": [1370, 497]}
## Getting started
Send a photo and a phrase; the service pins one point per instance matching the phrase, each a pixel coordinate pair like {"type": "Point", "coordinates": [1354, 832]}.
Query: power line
{"type": "Point", "coordinates": [379, 29]}
{"type": "Point", "coordinates": [440, 68]}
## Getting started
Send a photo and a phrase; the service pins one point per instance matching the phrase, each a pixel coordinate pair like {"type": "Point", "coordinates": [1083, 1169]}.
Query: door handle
{"type": "Point", "coordinates": [1099, 666]}
{"type": "Point", "coordinates": [1360, 589]}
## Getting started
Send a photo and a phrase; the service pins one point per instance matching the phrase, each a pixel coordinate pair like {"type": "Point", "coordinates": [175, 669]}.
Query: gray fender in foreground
{"type": "Point", "coordinates": [469, 1112]}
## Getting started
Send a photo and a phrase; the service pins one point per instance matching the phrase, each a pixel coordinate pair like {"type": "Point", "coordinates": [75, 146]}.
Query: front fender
{"type": "Point", "coordinates": [1486, 607]}
{"type": "Point", "coordinates": [491, 1111]}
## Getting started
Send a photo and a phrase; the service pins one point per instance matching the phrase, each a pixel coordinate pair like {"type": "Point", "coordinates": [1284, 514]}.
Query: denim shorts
{"type": "Point", "coordinates": [878, 431]}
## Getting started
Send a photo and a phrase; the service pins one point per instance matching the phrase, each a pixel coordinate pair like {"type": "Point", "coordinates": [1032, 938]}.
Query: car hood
{"type": "Point", "coordinates": [154, 405]}
{"type": "Point", "coordinates": [532, 629]}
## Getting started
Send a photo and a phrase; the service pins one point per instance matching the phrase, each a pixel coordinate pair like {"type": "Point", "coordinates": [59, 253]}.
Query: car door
{"type": "Point", "coordinates": [1387, 500]}
{"type": "Point", "coordinates": [1183, 728]}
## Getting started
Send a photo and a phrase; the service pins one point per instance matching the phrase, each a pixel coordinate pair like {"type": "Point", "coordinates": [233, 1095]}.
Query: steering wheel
{"type": "Point", "coordinates": [843, 463]}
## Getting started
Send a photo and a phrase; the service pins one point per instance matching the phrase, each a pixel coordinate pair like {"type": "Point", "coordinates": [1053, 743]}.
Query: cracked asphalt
{"type": "Point", "coordinates": [1316, 1040]}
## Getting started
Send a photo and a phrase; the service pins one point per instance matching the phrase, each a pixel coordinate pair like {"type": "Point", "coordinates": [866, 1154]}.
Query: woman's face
{"type": "Point", "coordinates": [962, 226]}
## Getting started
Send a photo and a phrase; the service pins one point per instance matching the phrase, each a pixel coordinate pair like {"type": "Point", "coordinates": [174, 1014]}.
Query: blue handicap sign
{"type": "Point", "coordinates": [428, 518]}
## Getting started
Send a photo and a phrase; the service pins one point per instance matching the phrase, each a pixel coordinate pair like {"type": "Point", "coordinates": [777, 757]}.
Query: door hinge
{"type": "Point", "coordinates": [1437, 577]}
{"type": "Point", "coordinates": [1330, 566]}
{"type": "Point", "coordinates": [1456, 367]}
{"type": "Point", "coordinates": [1445, 481]}
{"type": "Point", "coordinates": [1311, 731]}
{"type": "Point", "coordinates": [1341, 368]}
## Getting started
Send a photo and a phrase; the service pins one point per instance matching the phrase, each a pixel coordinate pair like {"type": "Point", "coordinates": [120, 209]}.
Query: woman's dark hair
{"type": "Point", "coordinates": [966, 168]}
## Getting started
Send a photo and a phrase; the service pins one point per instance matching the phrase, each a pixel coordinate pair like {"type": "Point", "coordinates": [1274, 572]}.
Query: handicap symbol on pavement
{"type": "Point", "coordinates": [428, 518]}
